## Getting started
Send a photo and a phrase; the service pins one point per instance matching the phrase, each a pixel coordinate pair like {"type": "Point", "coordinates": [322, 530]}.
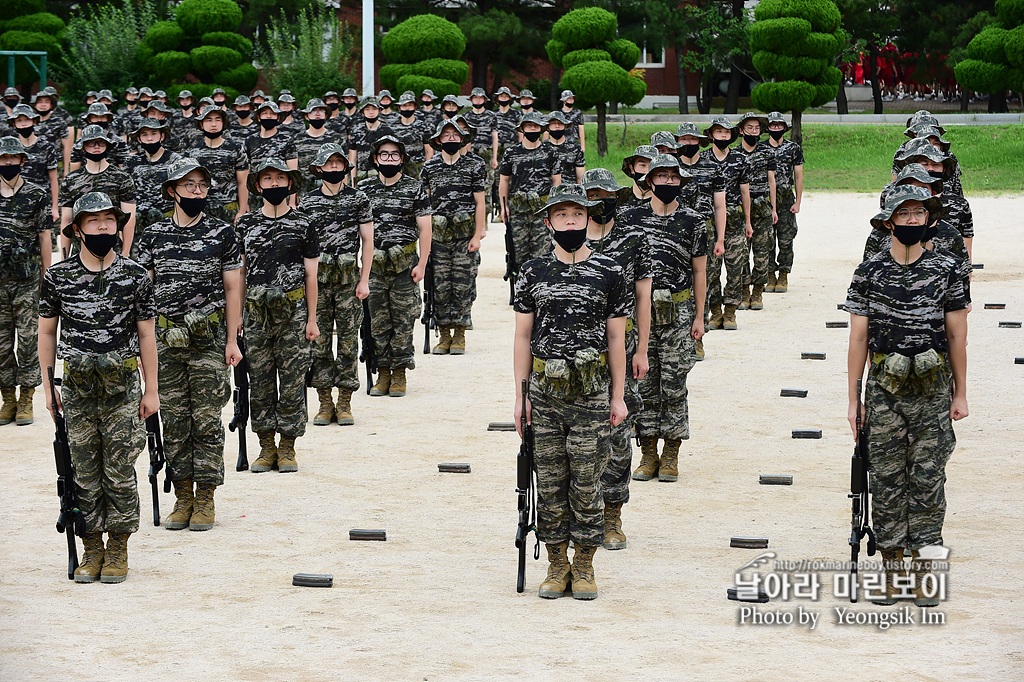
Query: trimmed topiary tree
{"type": "Point", "coordinates": [794, 45]}
{"type": "Point", "coordinates": [995, 57]}
{"type": "Point", "coordinates": [24, 26]}
{"type": "Point", "coordinates": [598, 66]}
{"type": "Point", "coordinates": [424, 51]}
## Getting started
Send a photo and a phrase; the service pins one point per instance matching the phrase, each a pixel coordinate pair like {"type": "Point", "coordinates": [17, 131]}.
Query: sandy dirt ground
{"type": "Point", "coordinates": [437, 601]}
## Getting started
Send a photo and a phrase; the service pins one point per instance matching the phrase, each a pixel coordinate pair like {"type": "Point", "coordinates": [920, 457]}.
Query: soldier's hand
{"type": "Point", "coordinates": [49, 404]}
{"type": "Point", "coordinates": [312, 331]}
{"type": "Point", "coordinates": [149, 405]}
{"type": "Point", "coordinates": [362, 290]}
{"type": "Point", "coordinates": [474, 245]}
{"type": "Point", "coordinates": [641, 366]}
{"type": "Point", "coordinates": [749, 231]}
{"type": "Point", "coordinates": [958, 410]}
{"type": "Point", "coordinates": [417, 273]}
{"type": "Point", "coordinates": [775, 216]}
{"type": "Point", "coordinates": [719, 248]}
{"type": "Point", "coordinates": [232, 354]}
{"type": "Point", "coordinates": [795, 208]}
{"type": "Point", "coordinates": [619, 411]}
{"type": "Point", "coordinates": [851, 417]}
{"type": "Point", "coordinates": [518, 414]}
{"type": "Point", "coordinates": [697, 330]}
{"type": "Point", "coordinates": [241, 328]}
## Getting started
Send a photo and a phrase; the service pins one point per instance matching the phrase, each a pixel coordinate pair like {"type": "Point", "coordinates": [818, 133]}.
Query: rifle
{"type": "Point", "coordinates": [71, 521]}
{"type": "Point", "coordinates": [511, 266]}
{"type": "Point", "coordinates": [368, 355]}
{"type": "Point", "coordinates": [429, 318]}
{"type": "Point", "coordinates": [240, 400]}
{"type": "Point", "coordinates": [156, 462]}
{"type": "Point", "coordinates": [526, 490]}
{"type": "Point", "coordinates": [860, 493]}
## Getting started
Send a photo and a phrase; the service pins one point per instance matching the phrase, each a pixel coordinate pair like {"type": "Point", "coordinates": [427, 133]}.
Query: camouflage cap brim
{"type": "Point", "coordinates": [324, 154]}
{"type": "Point", "coordinates": [12, 146]}
{"type": "Point", "coordinates": [600, 178]}
{"type": "Point", "coordinates": [178, 169]}
{"type": "Point", "coordinates": [93, 202]}
{"type": "Point", "coordinates": [566, 194]}
{"type": "Point", "coordinates": [645, 151]}
{"type": "Point", "coordinates": [252, 182]}
{"type": "Point", "coordinates": [23, 110]}
{"type": "Point", "coordinates": [450, 123]}
{"type": "Point", "coordinates": [902, 195]}
{"type": "Point", "coordinates": [667, 161]}
{"type": "Point", "coordinates": [691, 129]}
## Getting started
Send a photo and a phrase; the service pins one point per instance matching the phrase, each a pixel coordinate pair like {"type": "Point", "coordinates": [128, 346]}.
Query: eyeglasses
{"type": "Point", "coordinates": [907, 213]}
{"type": "Point", "coordinates": [390, 156]}
{"type": "Point", "coordinates": [191, 186]}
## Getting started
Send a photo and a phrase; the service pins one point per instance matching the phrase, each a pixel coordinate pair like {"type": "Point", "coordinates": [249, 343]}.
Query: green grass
{"type": "Point", "coordinates": [858, 158]}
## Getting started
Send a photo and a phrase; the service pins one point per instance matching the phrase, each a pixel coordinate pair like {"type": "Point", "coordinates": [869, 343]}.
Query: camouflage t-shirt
{"type": "Point", "coordinates": [570, 157]}
{"type": "Point", "coordinates": [508, 126]}
{"type": "Point", "coordinates": [274, 248]}
{"type": "Point", "coordinates": [958, 214]}
{"type": "Point", "coordinates": [575, 118]}
{"type": "Point", "coordinates": [117, 155]}
{"type": "Point", "coordinates": [112, 181]}
{"type": "Point", "coordinates": [280, 145]}
{"type": "Point", "coordinates": [675, 240]}
{"type": "Point", "coordinates": [306, 146]}
{"type": "Point", "coordinates": [395, 209]}
{"type": "Point", "coordinates": [98, 310]}
{"type": "Point", "coordinates": [629, 247]}
{"type": "Point", "coordinates": [735, 171]}
{"type": "Point", "coordinates": [22, 217]}
{"type": "Point", "coordinates": [149, 176]}
{"type": "Point", "coordinates": [760, 160]}
{"type": "Point", "coordinates": [451, 186]}
{"type": "Point", "coordinates": [54, 130]}
{"type": "Point", "coordinates": [788, 155]}
{"type": "Point", "coordinates": [953, 185]}
{"type": "Point", "coordinates": [571, 303]}
{"type": "Point", "coordinates": [906, 304]}
{"type": "Point", "coordinates": [360, 138]}
{"type": "Point", "coordinates": [485, 122]}
{"type": "Point", "coordinates": [223, 162]}
{"type": "Point", "coordinates": [339, 125]}
{"type": "Point", "coordinates": [430, 118]}
{"type": "Point", "coordinates": [529, 170]}
{"type": "Point", "coordinates": [699, 193]}
{"type": "Point", "coordinates": [414, 136]}
{"type": "Point", "coordinates": [946, 240]}
{"type": "Point", "coordinates": [337, 218]}
{"type": "Point", "coordinates": [188, 264]}
{"type": "Point", "coordinates": [45, 157]}
{"type": "Point", "coordinates": [242, 133]}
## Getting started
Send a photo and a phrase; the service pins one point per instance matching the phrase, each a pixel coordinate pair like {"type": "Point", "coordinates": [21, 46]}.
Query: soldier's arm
{"type": "Point", "coordinates": [426, 229]}
{"type": "Point", "coordinates": [65, 143]}
{"type": "Point", "coordinates": [480, 216]}
{"type": "Point", "coordinates": [352, 158]}
{"type": "Point", "coordinates": [366, 237]}
{"type": "Point", "coordinates": [956, 335]}
{"type": "Point", "coordinates": [798, 185]}
{"type": "Point", "coordinates": [232, 311]}
{"type": "Point", "coordinates": [580, 170]}
{"type": "Point", "coordinates": [642, 290]}
{"type": "Point", "coordinates": [494, 148]}
{"type": "Point", "coordinates": [129, 227]}
{"type": "Point", "coordinates": [503, 195]}
{"type": "Point", "coordinates": [309, 266]}
{"type": "Point", "coordinates": [45, 251]}
{"type": "Point", "coordinates": [745, 200]}
{"type": "Point", "coordinates": [700, 291]}
{"type": "Point", "coordinates": [46, 347]}
{"type": "Point", "coordinates": [583, 138]}
{"type": "Point", "coordinates": [616, 329]}
{"type": "Point", "coordinates": [54, 194]}
{"type": "Point", "coordinates": [65, 220]}
{"type": "Point", "coordinates": [856, 357]}
{"type": "Point", "coordinates": [720, 214]}
{"type": "Point", "coordinates": [242, 177]}
{"type": "Point", "coordinates": [556, 179]}
{"type": "Point", "coordinates": [522, 363]}
{"type": "Point", "coordinates": [150, 403]}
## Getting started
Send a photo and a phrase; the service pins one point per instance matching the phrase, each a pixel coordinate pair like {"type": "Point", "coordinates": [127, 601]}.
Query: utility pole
{"type": "Point", "coordinates": [368, 90]}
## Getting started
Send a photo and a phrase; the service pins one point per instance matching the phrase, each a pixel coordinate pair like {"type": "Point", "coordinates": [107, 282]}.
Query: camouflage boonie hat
{"type": "Point", "coordinates": [12, 146]}
{"type": "Point", "coordinates": [145, 90]}
{"type": "Point", "coordinates": [533, 117]}
{"type": "Point", "coordinates": [23, 110]}
{"type": "Point", "coordinates": [148, 124]}
{"type": "Point", "coordinates": [268, 104]}
{"type": "Point", "coordinates": [915, 171]}
{"type": "Point", "coordinates": [925, 117]}
{"type": "Point", "coordinates": [902, 195]}
{"type": "Point", "coordinates": [271, 162]}
{"type": "Point", "coordinates": [286, 99]}
{"type": "Point", "coordinates": [406, 98]}
{"type": "Point", "coordinates": [106, 94]}
{"type": "Point", "coordinates": [566, 193]}
{"type": "Point", "coordinates": [207, 102]}
{"type": "Point", "coordinates": [644, 151]}
{"type": "Point", "coordinates": [98, 109]}
{"type": "Point", "coordinates": [12, 92]}
{"type": "Point", "coordinates": [93, 202]}
{"type": "Point", "coordinates": [218, 91]}
{"type": "Point", "coordinates": [160, 94]}
{"type": "Point", "coordinates": [384, 93]}
{"type": "Point", "coordinates": [159, 106]}
{"type": "Point", "coordinates": [777, 117]}
{"type": "Point", "coordinates": [91, 93]}
{"type": "Point", "coordinates": [315, 103]}
{"type": "Point", "coordinates": [524, 93]}
{"type": "Point", "coordinates": [503, 91]}
{"type": "Point", "coordinates": [479, 92]}
{"type": "Point", "coordinates": [330, 93]}
{"type": "Point", "coordinates": [926, 131]}
{"type": "Point", "coordinates": [212, 110]}
{"type": "Point", "coordinates": [664, 138]}
{"type": "Point", "coordinates": [558, 116]}
{"type": "Point", "coordinates": [259, 93]}
{"type": "Point", "coordinates": [723, 122]}
{"type": "Point", "coordinates": [131, 90]}
{"type": "Point", "coordinates": [566, 94]}
{"type": "Point", "coordinates": [350, 92]}
{"type": "Point", "coordinates": [241, 101]}
{"type": "Point", "coordinates": [93, 132]}
{"type": "Point", "coordinates": [324, 154]}
{"type": "Point", "coordinates": [429, 93]}
{"type": "Point", "coordinates": [667, 161]}
{"type": "Point", "coordinates": [451, 98]}
{"type": "Point", "coordinates": [460, 121]}
{"type": "Point", "coordinates": [449, 123]}
{"type": "Point", "coordinates": [920, 146]}
{"type": "Point", "coordinates": [185, 94]}
{"type": "Point", "coordinates": [692, 129]}
{"type": "Point", "coordinates": [380, 141]}
{"type": "Point", "coordinates": [751, 116]}
{"type": "Point", "coordinates": [601, 178]}
{"type": "Point", "coordinates": [370, 101]}
{"type": "Point", "coordinates": [178, 169]}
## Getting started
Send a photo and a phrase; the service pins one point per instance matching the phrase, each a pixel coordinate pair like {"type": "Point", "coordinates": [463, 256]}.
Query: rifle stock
{"type": "Point", "coordinates": [70, 521]}
{"type": "Point", "coordinates": [240, 402]}
{"type": "Point", "coordinates": [428, 318]}
{"type": "Point", "coordinates": [510, 258]}
{"type": "Point", "coordinates": [526, 492]}
{"type": "Point", "coordinates": [157, 461]}
{"type": "Point", "coordinates": [368, 353]}
{"type": "Point", "coordinates": [860, 496]}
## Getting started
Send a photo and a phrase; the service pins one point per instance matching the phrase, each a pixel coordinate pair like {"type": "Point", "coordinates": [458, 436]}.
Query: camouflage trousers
{"type": "Point", "coordinates": [530, 235]}
{"type": "Point", "coordinates": [666, 413]}
{"type": "Point", "coordinates": [395, 307]}
{"type": "Point", "coordinates": [910, 439]}
{"type": "Point", "coordinates": [194, 388]}
{"type": "Point", "coordinates": [616, 476]}
{"type": "Point", "coordinates": [19, 321]}
{"type": "Point", "coordinates": [761, 244]}
{"type": "Point", "coordinates": [455, 270]}
{"type": "Point", "coordinates": [106, 436]}
{"type": "Point", "coordinates": [279, 356]}
{"type": "Point", "coordinates": [572, 441]}
{"type": "Point", "coordinates": [785, 231]}
{"type": "Point", "coordinates": [734, 257]}
{"type": "Point", "coordinates": [337, 309]}
{"type": "Point", "coordinates": [486, 154]}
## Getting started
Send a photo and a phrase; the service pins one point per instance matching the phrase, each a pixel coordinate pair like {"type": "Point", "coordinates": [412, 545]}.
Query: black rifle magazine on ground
{"type": "Point", "coordinates": [794, 393]}
{"type": "Point", "coordinates": [501, 426]}
{"type": "Point", "coordinates": [367, 534]}
{"type": "Point", "coordinates": [453, 468]}
{"type": "Point", "coordinates": [806, 433]}
{"type": "Point", "coordinates": [737, 594]}
{"type": "Point", "coordinates": [313, 580]}
{"type": "Point", "coordinates": [1018, 361]}
{"type": "Point", "coordinates": [995, 306]}
{"type": "Point", "coordinates": [978, 266]}
{"type": "Point", "coordinates": [748, 542]}
{"type": "Point", "coordinates": [1009, 325]}
{"type": "Point", "coordinates": [812, 355]}
{"type": "Point", "coordinates": [838, 324]}
{"type": "Point", "coordinates": [775, 479]}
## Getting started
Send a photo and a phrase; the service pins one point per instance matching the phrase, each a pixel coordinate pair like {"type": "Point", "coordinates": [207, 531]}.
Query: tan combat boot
{"type": "Point", "coordinates": [383, 384]}
{"type": "Point", "coordinates": [345, 407]}
{"type": "Point", "coordinates": [557, 580]}
{"type": "Point", "coordinates": [397, 382]}
{"type": "Point", "coordinates": [10, 407]}
{"type": "Point", "coordinates": [444, 345]}
{"type": "Point", "coordinates": [717, 319]}
{"type": "Point", "coordinates": [459, 341]}
{"type": "Point", "coordinates": [770, 287]}
{"type": "Point", "coordinates": [92, 559]}
{"type": "Point", "coordinates": [584, 585]}
{"type": "Point", "coordinates": [744, 299]}
{"type": "Point", "coordinates": [286, 455]}
{"type": "Point", "coordinates": [782, 286]}
{"type": "Point", "coordinates": [24, 414]}
{"type": "Point", "coordinates": [756, 302]}
{"type": "Point", "coordinates": [184, 505]}
{"type": "Point", "coordinates": [729, 322]}
{"type": "Point", "coordinates": [648, 468]}
{"type": "Point", "coordinates": [268, 453]}
{"type": "Point", "coordinates": [614, 538]}
{"type": "Point", "coordinates": [892, 561]}
{"type": "Point", "coordinates": [327, 413]}
{"type": "Point", "coordinates": [115, 559]}
{"type": "Point", "coordinates": [669, 471]}
{"type": "Point", "coordinates": [926, 592]}
{"type": "Point", "coordinates": [698, 348]}
{"type": "Point", "coordinates": [203, 517]}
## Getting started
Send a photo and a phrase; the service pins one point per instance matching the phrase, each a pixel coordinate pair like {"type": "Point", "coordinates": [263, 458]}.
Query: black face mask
{"type": "Point", "coordinates": [532, 136]}
{"type": "Point", "coordinates": [407, 114]}
{"type": "Point", "coordinates": [908, 235]}
{"type": "Point", "coordinates": [504, 103]}
{"type": "Point", "coordinates": [243, 114]}
{"type": "Point", "coordinates": [556, 134]}
{"type": "Point", "coordinates": [275, 195]}
{"type": "Point", "coordinates": [151, 148]}
{"type": "Point", "coordinates": [385, 109]}
{"type": "Point", "coordinates": [448, 113]}
{"type": "Point", "coordinates": [688, 150]}
{"type": "Point", "coordinates": [219, 102]}
{"type": "Point", "coordinates": [212, 136]}
{"type": "Point", "coordinates": [350, 108]}
{"type": "Point", "coordinates": [11, 102]}
{"type": "Point", "coordinates": [26, 132]}
{"type": "Point", "coordinates": [722, 144]}
{"type": "Point", "coordinates": [192, 206]}
{"type": "Point", "coordinates": [186, 110]}
{"type": "Point", "coordinates": [667, 193]}
{"type": "Point", "coordinates": [776, 134]}
{"type": "Point", "coordinates": [101, 124]}
{"type": "Point", "coordinates": [333, 106]}
{"type": "Point", "coordinates": [95, 156]}
{"type": "Point", "coordinates": [935, 174]}
{"type": "Point", "coordinates": [389, 170]}
{"type": "Point", "coordinates": [333, 177]}
{"type": "Point", "coordinates": [451, 148]}
{"type": "Point", "coordinates": [316, 123]}
{"type": "Point", "coordinates": [268, 123]}
{"type": "Point", "coordinates": [427, 104]}
{"type": "Point", "coordinates": [526, 107]}
{"type": "Point", "coordinates": [8, 173]}
{"type": "Point", "coordinates": [99, 245]}
{"type": "Point", "coordinates": [607, 211]}
{"type": "Point", "coordinates": [370, 119]}
{"type": "Point", "coordinates": [571, 240]}
{"type": "Point", "coordinates": [751, 140]}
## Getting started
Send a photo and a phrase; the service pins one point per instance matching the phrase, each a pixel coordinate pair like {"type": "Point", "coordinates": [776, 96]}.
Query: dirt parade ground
{"type": "Point", "coordinates": [437, 600]}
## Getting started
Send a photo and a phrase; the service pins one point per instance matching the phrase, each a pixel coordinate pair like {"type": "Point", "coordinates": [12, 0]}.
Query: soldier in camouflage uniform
{"type": "Point", "coordinates": [105, 306]}
{"type": "Point", "coordinates": [98, 175]}
{"type": "Point", "coordinates": [485, 143]}
{"type": "Point", "coordinates": [401, 219]}
{"type": "Point", "coordinates": [574, 128]}
{"type": "Point", "coordinates": [678, 242]}
{"type": "Point", "coordinates": [24, 254]}
{"type": "Point", "coordinates": [763, 215]}
{"type": "Point", "coordinates": [183, 121]}
{"type": "Point", "coordinates": [361, 137]}
{"type": "Point", "coordinates": [450, 107]}
{"type": "Point", "coordinates": [414, 135]}
{"type": "Point", "coordinates": [735, 173]}
{"type": "Point", "coordinates": [195, 262]}
{"type": "Point", "coordinates": [271, 142]}
{"type": "Point", "coordinates": [312, 138]}
{"type": "Point", "coordinates": [12, 98]}
{"type": "Point", "coordinates": [99, 115]}
{"type": "Point", "coordinates": [388, 116]}
{"type": "Point", "coordinates": [789, 192]}
{"type": "Point", "coordinates": [528, 171]}
{"type": "Point", "coordinates": [571, 161]}
{"type": "Point", "coordinates": [635, 167]}
{"type": "Point", "coordinates": [571, 307]}
{"type": "Point", "coordinates": [54, 124]}
{"type": "Point", "coordinates": [223, 156]}
{"type": "Point", "coordinates": [291, 123]}
{"type": "Point", "coordinates": [507, 123]}
{"type": "Point", "coordinates": [44, 156]}
{"type": "Point", "coordinates": [149, 170]}
{"type": "Point", "coordinates": [665, 142]}
{"type": "Point", "coordinates": [341, 216]}
{"type": "Point", "coordinates": [921, 120]}
{"type": "Point", "coordinates": [628, 245]}
{"type": "Point", "coordinates": [281, 249]}
{"type": "Point", "coordinates": [908, 318]}
{"type": "Point", "coordinates": [428, 113]}
{"type": "Point", "coordinates": [243, 125]}
{"type": "Point", "coordinates": [455, 184]}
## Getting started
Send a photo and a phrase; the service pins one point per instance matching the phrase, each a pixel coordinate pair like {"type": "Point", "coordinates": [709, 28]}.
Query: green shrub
{"type": "Point", "coordinates": [832, 76]}
{"type": "Point", "coordinates": [585, 27]}
{"type": "Point", "coordinates": [1010, 13]}
{"type": "Point", "coordinates": [170, 66]}
{"type": "Point", "coordinates": [787, 68]}
{"type": "Point", "coordinates": [422, 37]}
{"type": "Point", "coordinates": [211, 59]}
{"type": "Point", "coordinates": [556, 50]}
{"type": "Point", "coordinates": [597, 82]}
{"type": "Point", "coordinates": [783, 96]}
{"type": "Point", "coordinates": [311, 55]}
{"type": "Point", "coordinates": [390, 73]}
{"type": "Point", "coordinates": [989, 45]}
{"type": "Point", "coordinates": [418, 84]}
{"type": "Point", "coordinates": [823, 16]}
{"type": "Point", "coordinates": [823, 93]}
{"type": "Point", "coordinates": [144, 57]}
{"type": "Point", "coordinates": [41, 22]}
{"type": "Point", "coordinates": [624, 52]}
{"type": "Point", "coordinates": [777, 35]}
{"type": "Point", "coordinates": [242, 78]}
{"type": "Point", "coordinates": [239, 44]}
{"type": "Point", "coordinates": [197, 17]}
{"type": "Point", "coordinates": [635, 89]}
{"type": "Point", "coordinates": [580, 56]}
{"type": "Point", "coordinates": [454, 70]}
{"type": "Point", "coordinates": [164, 35]}
{"type": "Point", "coordinates": [200, 90]}
{"type": "Point", "coordinates": [1014, 47]}
{"type": "Point", "coordinates": [9, 9]}
{"type": "Point", "coordinates": [980, 76]}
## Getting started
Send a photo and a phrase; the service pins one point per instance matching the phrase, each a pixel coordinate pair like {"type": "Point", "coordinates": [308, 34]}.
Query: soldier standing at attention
{"type": "Point", "coordinates": [574, 117]}
{"type": "Point", "coordinates": [485, 142]}
{"type": "Point", "coordinates": [104, 303]}
{"type": "Point", "coordinates": [908, 319]}
{"type": "Point", "coordinates": [24, 256]}
{"type": "Point", "coordinates": [571, 161]}
{"type": "Point", "coordinates": [271, 142]}
{"type": "Point", "coordinates": [54, 126]}
{"type": "Point", "coordinates": [789, 192]}
{"type": "Point", "coordinates": [763, 216]}
{"type": "Point", "coordinates": [223, 156]}
{"type": "Point", "coordinates": [628, 245]}
{"type": "Point", "coordinates": [280, 248]}
{"type": "Point", "coordinates": [635, 167]}
{"type": "Point", "coordinates": [195, 263]}
{"type": "Point", "coordinates": [43, 155]}
{"type": "Point", "coordinates": [427, 112]}
{"type": "Point", "coordinates": [450, 106]}
{"type": "Point", "coordinates": [571, 306]}
{"type": "Point", "coordinates": [388, 116]}
{"type": "Point", "coordinates": [341, 216]}
{"type": "Point", "coordinates": [314, 136]}
{"type": "Point", "coordinates": [243, 126]}
{"type": "Point", "coordinates": [413, 133]}
{"type": "Point", "coordinates": [455, 185]}
{"type": "Point", "coordinates": [361, 137]}
{"type": "Point", "coordinates": [148, 171]}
